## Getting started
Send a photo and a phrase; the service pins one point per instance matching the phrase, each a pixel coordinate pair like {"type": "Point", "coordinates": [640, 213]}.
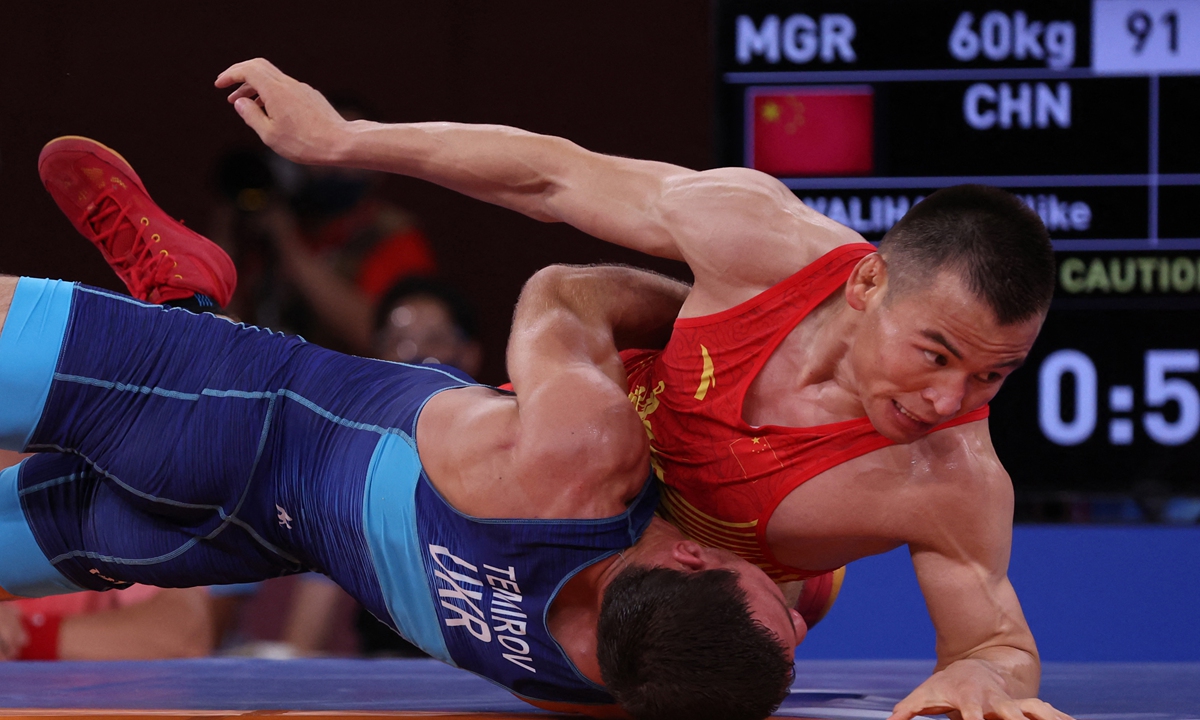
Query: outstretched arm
{"type": "Point", "coordinates": [707, 219]}
{"type": "Point", "coordinates": [988, 663]}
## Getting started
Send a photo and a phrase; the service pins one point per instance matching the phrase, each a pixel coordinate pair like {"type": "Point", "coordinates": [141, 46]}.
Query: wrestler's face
{"type": "Point", "coordinates": [932, 353]}
{"type": "Point", "coordinates": [765, 598]}
{"type": "Point", "coordinates": [768, 605]}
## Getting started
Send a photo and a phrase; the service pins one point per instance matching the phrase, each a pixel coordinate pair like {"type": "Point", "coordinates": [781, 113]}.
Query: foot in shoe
{"type": "Point", "coordinates": [156, 257]}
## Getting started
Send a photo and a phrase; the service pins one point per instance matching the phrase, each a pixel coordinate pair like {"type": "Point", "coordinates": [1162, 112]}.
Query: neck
{"type": "Point", "coordinates": [826, 336]}
{"type": "Point", "coordinates": [575, 612]}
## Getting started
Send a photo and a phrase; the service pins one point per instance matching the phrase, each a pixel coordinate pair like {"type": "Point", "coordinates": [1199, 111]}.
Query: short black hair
{"type": "Point", "coordinates": [676, 645]}
{"type": "Point", "coordinates": [994, 241]}
{"type": "Point", "coordinates": [460, 310]}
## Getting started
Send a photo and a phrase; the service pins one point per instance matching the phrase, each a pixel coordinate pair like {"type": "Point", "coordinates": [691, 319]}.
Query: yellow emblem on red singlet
{"type": "Point", "coordinates": [645, 404]}
{"type": "Point", "coordinates": [708, 376]}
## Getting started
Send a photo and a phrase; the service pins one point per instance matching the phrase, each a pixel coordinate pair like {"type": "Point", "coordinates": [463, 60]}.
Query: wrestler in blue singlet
{"type": "Point", "coordinates": [179, 450]}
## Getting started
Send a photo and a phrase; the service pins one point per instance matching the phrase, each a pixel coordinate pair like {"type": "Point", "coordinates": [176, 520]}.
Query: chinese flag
{"type": "Point", "coordinates": [812, 131]}
{"type": "Point", "coordinates": [756, 456]}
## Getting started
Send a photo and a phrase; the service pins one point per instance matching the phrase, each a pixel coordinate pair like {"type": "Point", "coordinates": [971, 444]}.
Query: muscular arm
{"type": "Point", "coordinates": [707, 219]}
{"type": "Point", "coordinates": [564, 366]}
{"type": "Point", "coordinates": [585, 314]}
{"type": "Point", "coordinates": [987, 659]}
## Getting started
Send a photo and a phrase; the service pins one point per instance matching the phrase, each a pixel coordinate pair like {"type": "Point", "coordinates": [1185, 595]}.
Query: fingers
{"type": "Point", "coordinates": [1029, 709]}
{"type": "Point", "coordinates": [906, 710]}
{"type": "Point", "coordinates": [898, 714]}
{"type": "Point", "coordinates": [252, 114]}
{"type": "Point", "coordinates": [1008, 710]}
{"type": "Point", "coordinates": [901, 712]}
{"type": "Point", "coordinates": [231, 75]}
{"type": "Point", "coordinates": [247, 71]}
{"type": "Point", "coordinates": [1036, 709]}
{"type": "Point", "coordinates": [244, 90]}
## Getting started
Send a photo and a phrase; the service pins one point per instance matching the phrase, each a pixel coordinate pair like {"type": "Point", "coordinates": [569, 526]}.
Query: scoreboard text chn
{"type": "Point", "coordinates": [1088, 111]}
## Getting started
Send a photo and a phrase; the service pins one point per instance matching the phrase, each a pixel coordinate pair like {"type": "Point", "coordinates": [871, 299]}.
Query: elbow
{"type": "Point", "coordinates": [569, 281]}
{"type": "Point", "coordinates": [549, 169]}
{"type": "Point", "coordinates": [551, 286]}
{"type": "Point", "coordinates": [552, 276]}
{"type": "Point", "coordinates": [520, 170]}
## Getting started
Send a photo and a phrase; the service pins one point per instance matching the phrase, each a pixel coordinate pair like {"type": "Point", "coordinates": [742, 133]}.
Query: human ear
{"type": "Point", "coordinates": [867, 279]}
{"type": "Point", "coordinates": [689, 555]}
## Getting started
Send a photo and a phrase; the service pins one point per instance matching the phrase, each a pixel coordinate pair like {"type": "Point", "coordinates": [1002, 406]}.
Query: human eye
{"type": "Point", "coordinates": [935, 358]}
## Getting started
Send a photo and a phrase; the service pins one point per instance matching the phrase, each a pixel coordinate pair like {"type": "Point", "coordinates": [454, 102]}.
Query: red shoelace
{"type": "Point", "coordinates": [143, 267]}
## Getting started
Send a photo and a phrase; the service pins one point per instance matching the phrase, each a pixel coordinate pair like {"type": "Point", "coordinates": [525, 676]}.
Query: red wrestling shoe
{"type": "Point", "coordinates": [155, 255]}
{"type": "Point", "coordinates": [818, 595]}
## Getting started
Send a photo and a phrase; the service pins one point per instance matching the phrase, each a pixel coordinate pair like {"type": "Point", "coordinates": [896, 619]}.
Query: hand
{"type": "Point", "coordinates": [13, 637]}
{"type": "Point", "coordinates": [291, 117]}
{"type": "Point", "coordinates": [970, 690]}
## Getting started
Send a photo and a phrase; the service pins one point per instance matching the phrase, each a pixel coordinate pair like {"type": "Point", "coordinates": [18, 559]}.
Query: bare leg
{"type": "Point", "coordinates": [8, 286]}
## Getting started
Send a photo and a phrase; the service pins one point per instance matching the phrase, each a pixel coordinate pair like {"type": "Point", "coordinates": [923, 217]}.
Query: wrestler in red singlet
{"type": "Point", "coordinates": [723, 478]}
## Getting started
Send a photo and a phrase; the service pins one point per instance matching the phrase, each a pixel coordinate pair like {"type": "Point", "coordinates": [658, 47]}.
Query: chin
{"type": "Point", "coordinates": [893, 434]}
{"type": "Point", "coordinates": [890, 423]}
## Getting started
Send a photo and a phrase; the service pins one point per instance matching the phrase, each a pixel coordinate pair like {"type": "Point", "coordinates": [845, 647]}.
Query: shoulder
{"type": "Point", "coordinates": [746, 231]}
{"type": "Point", "coordinates": [965, 495]}
{"type": "Point", "coordinates": [588, 452]}
{"type": "Point", "coordinates": [965, 448]}
{"type": "Point", "coordinates": [745, 182]}
{"type": "Point", "coordinates": [752, 202]}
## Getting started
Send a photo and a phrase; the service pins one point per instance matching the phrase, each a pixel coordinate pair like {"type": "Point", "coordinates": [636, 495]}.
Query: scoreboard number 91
{"type": "Point", "coordinates": [1145, 36]}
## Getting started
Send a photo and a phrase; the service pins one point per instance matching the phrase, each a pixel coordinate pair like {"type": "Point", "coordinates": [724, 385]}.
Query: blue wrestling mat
{"type": "Point", "coordinates": [837, 690]}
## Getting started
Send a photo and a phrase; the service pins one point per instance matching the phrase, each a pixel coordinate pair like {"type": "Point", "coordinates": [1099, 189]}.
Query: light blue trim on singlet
{"type": "Point", "coordinates": [390, 525]}
{"type": "Point", "coordinates": [24, 571]}
{"type": "Point", "coordinates": [29, 347]}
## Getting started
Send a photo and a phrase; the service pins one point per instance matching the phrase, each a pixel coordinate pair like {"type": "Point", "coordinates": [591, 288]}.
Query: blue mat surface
{"type": "Point", "coordinates": [838, 690]}
{"type": "Point", "coordinates": [1091, 594]}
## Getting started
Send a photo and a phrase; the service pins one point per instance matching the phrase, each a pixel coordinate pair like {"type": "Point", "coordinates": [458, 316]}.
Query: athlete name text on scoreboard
{"type": "Point", "coordinates": [1080, 107]}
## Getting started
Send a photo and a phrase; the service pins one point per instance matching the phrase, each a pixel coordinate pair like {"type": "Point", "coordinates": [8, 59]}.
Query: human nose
{"type": "Point", "coordinates": [946, 395]}
{"type": "Point", "coordinates": [799, 624]}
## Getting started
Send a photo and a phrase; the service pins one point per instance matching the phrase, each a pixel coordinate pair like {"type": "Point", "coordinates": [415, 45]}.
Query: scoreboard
{"type": "Point", "coordinates": [1089, 111]}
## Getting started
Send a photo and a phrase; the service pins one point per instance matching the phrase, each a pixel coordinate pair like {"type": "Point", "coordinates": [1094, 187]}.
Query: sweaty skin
{"type": "Point", "coordinates": [906, 362]}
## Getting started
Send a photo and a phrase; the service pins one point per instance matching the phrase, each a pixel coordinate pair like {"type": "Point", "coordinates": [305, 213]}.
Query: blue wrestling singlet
{"type": "Point", "coordinates": [179, 449]}
{"type": "Point", "coordinates": [495, 581]}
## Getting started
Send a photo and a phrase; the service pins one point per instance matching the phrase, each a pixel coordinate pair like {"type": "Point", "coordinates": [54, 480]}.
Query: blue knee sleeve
{"type": "Point", "coordinates": [24, 569]}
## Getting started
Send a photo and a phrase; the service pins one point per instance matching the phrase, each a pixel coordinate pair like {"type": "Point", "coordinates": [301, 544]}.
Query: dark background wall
{"type": "Point", "coordinates": [622, 77]}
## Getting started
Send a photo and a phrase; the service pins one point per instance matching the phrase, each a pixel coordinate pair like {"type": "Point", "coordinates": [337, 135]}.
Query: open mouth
{"type": "Point", "coordinates": [918, 422]}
